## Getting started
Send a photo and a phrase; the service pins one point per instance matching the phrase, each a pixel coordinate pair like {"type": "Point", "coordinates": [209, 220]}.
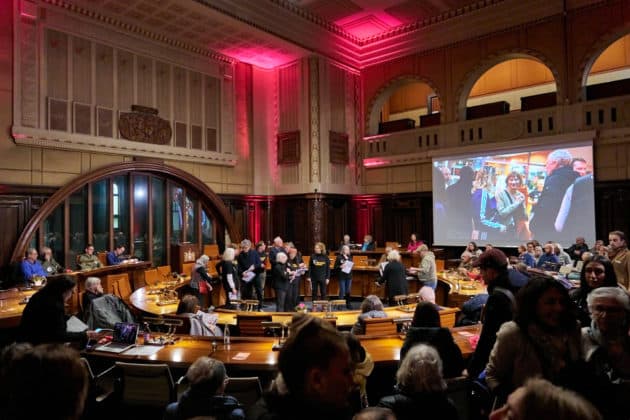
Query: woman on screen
{"type": "Point", "coordinates": [484, 207]}
{"type": "Point", "coordinates": [511, 207]}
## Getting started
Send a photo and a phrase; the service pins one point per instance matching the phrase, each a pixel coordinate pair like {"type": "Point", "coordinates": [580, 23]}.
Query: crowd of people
{"type": "Point", "coordinates": [546, 348]}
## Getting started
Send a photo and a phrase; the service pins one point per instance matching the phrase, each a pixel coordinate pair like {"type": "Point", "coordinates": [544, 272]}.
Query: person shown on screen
{"type": "Point", "coordinates": [439, 202]}
{"type": "Point", "coordinates": [577, 205]}
{"type": "Point", "coordinates": [484, 208]}
{"type": "Point", "coordinates": [458, 205]}
{"type": "Point", "coordinates": [579, 165]}
{"type": "Point", "coordinates": [619, 256]}
{"type": "Point", "coordinates": [560, 175]}
{"type": "Point", "coordinates": [511, 207]}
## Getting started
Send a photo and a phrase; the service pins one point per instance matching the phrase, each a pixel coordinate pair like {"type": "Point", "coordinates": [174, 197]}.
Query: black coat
{"type": "Point", "coordinates": [196, 404]}
{"type": "Point", "coordinates": [280, 277]}
{"type": "Point", "coordinates": [288, 407]}
{"type": "Point", "coordinates": [44, 321]}
{"type": "Point", "coordinates": [442, 340]}
{"type": "Point", "coordinates": [338, 263]}
{"type": "Point", "coordinates": [396, 278]}
{"type": "Point", "coordinates": [546, 210]}
{"type": "Point", "coordinates": [420, 406]}
{"type": "Point", "coordinates": [228, 267]}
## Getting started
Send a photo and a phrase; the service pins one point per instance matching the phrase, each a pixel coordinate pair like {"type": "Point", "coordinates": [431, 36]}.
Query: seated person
{"type": "Point", "coordinates": [371, 307]}
{"type": "Point", "coordinates": [205, 397]}
{"type": "Point", "coordinates": [368, 243]}
{"type": "Point", "coordinates": [547, 257]}
{"type": "Point", "coordinates": [31, 267]}
{"type": "Point", "coordinates": [315, 378]}
{"type": "Point", "coordinates": [49, 264]}
{"type": "Point", "coordinates": [421, 387]}
{"type": "Point", "coordinates": [201, 323]}
{"type": "Point", "coordinates": [113, 257]}
{"type": "Point", "coordinates": [426, 328]}
{"type": "Point", "coordinates": [89, 261]}
{"type": "Point", "coordinates": [346, 241]}
{"type": "Point", "coordinates": [363, 367]}
{"type": "Point", "coordinates": [414, 243]}
{"type": "Point", "coordinates": [539, 399]}
{"type": "Point", "coordinates": [93, 290]}
{"type": "Point", "coordinates": [45, 382]}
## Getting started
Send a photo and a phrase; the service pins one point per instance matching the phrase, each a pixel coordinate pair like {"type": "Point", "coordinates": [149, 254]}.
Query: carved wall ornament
{"type": "Point", "coordinates": [144, 125]}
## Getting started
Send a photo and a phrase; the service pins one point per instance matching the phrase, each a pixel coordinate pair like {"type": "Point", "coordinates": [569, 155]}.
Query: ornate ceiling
{"type": "Point", "coordinates": [356, 33]}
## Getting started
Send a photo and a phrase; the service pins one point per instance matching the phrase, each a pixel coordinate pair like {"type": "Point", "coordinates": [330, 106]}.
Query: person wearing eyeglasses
{"type": "Point", "coordinates": [596, 273]}
{"type": "Point", "coordinates": [606, 350]}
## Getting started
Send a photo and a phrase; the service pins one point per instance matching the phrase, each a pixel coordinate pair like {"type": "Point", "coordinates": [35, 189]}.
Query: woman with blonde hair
{"type": "Point", "coordinates": [227, 269]}
{"type": "Point", "coordinates": [421, 387]}
{"type": "Point", "coordinates": [319, 270]}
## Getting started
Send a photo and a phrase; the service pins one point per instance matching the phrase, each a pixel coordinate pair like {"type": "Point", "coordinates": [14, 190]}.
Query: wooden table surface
{"type": "Point", "coordinates": [257, 353]}
{"type": "Point", "coordinates": [12, 305]}
{"type": "Point", "coordinates": [142, 300]}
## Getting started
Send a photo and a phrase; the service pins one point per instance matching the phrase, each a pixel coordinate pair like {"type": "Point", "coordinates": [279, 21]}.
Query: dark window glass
{"type": "Point", "coordinates": [207, 229]}
{"type": "Point", "coordinates": [78, 213]}
{"type": "Point", "coordinates": [140, 216]}
{"type": "Point", "coordinates": [120, 210]}
{"type": "Point", "coordinates": [158, 203]}
{"type": "Point", "coordinates": [53, 235]}
{"type": "Point", "coordinates": [100, 214]}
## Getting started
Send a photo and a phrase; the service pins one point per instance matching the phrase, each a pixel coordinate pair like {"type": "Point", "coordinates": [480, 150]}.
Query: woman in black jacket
{"type": "Point", "coordinates": [599, 272]}
{"type": "Point", "coordinates": [281, 275]}
{"type": "Point", "coordinates": [44, 318]}
{"type": "Point", "coordinates": [228, 271]}
{"type": "Point", "coordinates": [426, 328]}
{"type": "Point", "coordinates": [319, 270]}
{"type": "Point", "coordinates": [344, 274]}
{"type": "Point", "coordinates": [395, 277]}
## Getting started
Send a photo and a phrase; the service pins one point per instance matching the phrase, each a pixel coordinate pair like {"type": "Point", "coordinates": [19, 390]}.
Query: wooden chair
{"type": "Point", "coordinates": [211, 250]}
{"type": "Point", "coordinates": [251, 325]}
{"type": "Point", "coordinates": [184, 328]}
{"type": "Point", "coordinates": [187, 268]}
{"type": "Point", "coordinates": [145, 384]}
{"type": "Point", "coordinates": [392, 245]}
{"type": "Point", "coordinates": [151, 277]}
{"type": "Point", "coordinates": [250, 304]}
{"type": "Point", "coordinates": [102, 257]}
{"type": "Point", "coordinates": [321, 305]}
{"type": "Point", "coordinates": [441, 292]}
{"type": "Point", "coordinates": [163, 271]}
{"type": "Point", "coordinates": [110, 282]}
{"type": "Point", "coordinates": [360, 260]}
{"type": "Point", "coordinates": [306, 259]}
{"type": "Point", "coordinates": [380, 326]}
{"type": "Point", "coordinates": [246, 390]}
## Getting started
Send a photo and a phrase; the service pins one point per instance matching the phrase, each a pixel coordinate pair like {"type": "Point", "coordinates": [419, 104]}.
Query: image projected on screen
{"type": "Point", "coordinates": [507, 198]}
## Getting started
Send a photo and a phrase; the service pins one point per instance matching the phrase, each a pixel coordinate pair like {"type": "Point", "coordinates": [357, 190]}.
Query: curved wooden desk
{"type": "Point", "coordinates": [460, 289]}
{"type": "Point", "coordinates": [11, 309]}
{"type": "Point", "coordinates": [147, 303]}
{"type": "Point", "coordinates": [261, 357]}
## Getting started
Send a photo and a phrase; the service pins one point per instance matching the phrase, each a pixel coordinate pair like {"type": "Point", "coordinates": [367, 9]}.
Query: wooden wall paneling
{"type": "Point", "coordinates": [612, 201]}
{"type": "Point", "coordinates": [14, 211]}
{"type": "Point", "coordinates": [379, 224]}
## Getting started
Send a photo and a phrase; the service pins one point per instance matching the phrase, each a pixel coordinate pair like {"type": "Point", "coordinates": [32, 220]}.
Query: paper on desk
{"type": "Point", "coordinates": [241, 356]}
{"type": "Point", "coordinates": [143, 350]}
{"type": "Point", "coordinates": [74, 324]}
{"type": "Point", "coordinates": [346, 267]}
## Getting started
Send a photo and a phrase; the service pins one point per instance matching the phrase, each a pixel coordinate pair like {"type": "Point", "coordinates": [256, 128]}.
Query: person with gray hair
{"type": "Point", "coordinates": [606, 350]}
{"type": "Point", "coordinates": [200, 280]}
{"type": "Point", "coordinates": [395, 277]}
{"type": "Point", "coordinates": [281, 275]}
{"type": "Point", "coordinates": [560, 175]}
{"type": "Point", "coordinates": [205, 397]}
{"type": "Point", "coordinates": [421, 387]}
{"type": "Point", "coordinates": [93, 290]}
{"type": "Point", "coordinates": [427, 271]}
{"type": "Point", "coordinates": [49, 264]}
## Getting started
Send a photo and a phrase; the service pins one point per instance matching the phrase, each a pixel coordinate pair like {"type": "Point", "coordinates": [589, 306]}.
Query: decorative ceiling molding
{"type": "Point", "coordinates": [135, 29]}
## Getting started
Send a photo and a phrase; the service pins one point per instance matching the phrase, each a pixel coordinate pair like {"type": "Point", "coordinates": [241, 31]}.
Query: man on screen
{"type": "Point", "coordinates": [579, 166]}
{"type": "Point", "coordinates": [560, 175]}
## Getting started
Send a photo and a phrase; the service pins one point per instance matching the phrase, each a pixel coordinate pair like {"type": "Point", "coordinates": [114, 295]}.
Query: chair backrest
{"type": "Point", "coordinates": [380, 326]}
{"type": "Point", "coordinates": [110, 283]}
{"type": "Point", "coordinates": [102, 257]}
{"type": "Point", "coordinates": [441, 293]}
{"type": "Point", "coordinates": [306, 259]}
{"type": "Point", "coordinates": [146, 384]}
{"type": "Point", "coordinates": [321, 305]}
{"type": "Point", "coordinates": [392, 245]}
{"type": "Point", "coordinates": [211, 250]}
{"type": "Point", "coordinates": [180, 329]}
{"type": "Point", "coordinates": [246, 390]}
{"type": "Point", "coordinates": [439, 265]}
{"type": "Point", "coordinates": [163, 271]}
{"type": "Point", "coordinates": [251, 325]}
{"type": "Point", "coordinates": [124, 288]}
{"type": "Point", "coordinates": [151, 277]}
{"type": "Point", "coordinates": [187, 268]}
{"type": "Point", "coordinates": [360, 260]}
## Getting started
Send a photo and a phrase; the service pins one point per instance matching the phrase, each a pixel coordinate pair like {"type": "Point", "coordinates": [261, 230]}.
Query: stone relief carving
{"type": "Point", "coordinates": [144, 125]}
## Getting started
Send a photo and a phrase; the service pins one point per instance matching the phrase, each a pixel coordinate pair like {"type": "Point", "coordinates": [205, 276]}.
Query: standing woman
{"type": "Point", "coordinates": [343, 265]}
{"type": "Point", "coordinates": [281, 275]}
{"type": "Point", "coordinates": [200, 280]}
{"type": "Point", "coordinates": [319, 270]}
{"type": "Point", "coordinates": [259, 280]}
{"type": "Point", "coordinates": [395, 277]}
{"type": "Point", "coordinates": [229, 275]}
{"type": "Point", "coordinates": [295, 264]}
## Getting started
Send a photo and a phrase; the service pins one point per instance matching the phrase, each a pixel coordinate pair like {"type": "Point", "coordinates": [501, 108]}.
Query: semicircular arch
{"type": "Point", "coordinates": [465, 87]}
{"type": "Point", "coordinates": [210, 201]}
{"type": "Point", "coordinates": [382, 95]}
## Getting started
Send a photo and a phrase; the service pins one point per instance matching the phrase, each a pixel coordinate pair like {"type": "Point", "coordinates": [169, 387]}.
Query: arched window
{"type": "Point", "coordinates": [610, 73]}
{"type": "Point", "coordinates": [128, 204]}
